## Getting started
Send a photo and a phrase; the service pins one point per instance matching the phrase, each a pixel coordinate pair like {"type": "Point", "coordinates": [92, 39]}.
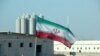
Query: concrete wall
{"type": "Point", "coordinates": [17, 39]}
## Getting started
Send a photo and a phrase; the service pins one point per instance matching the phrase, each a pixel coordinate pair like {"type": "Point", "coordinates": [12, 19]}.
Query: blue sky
{"type": "Point", "coordinates": [84, 15]}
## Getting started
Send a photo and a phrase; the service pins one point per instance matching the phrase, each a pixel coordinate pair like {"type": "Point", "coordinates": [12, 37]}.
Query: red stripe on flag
{"type": "Point", "coordinates": [41, 34]}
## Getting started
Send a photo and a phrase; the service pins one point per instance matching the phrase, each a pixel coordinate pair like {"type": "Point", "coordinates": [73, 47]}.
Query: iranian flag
{"type": "Point", "coordinates": [53, 31]}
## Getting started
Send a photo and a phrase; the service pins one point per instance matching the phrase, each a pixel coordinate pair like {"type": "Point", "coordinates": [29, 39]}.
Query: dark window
{"type": "Point", "coordinates": [85, 48]}
{"type": "Point", "coordinates": [38, 48]}
{"type": "Point", "coordinates": [65, 48]}
{"type": "Point", "coordinates": [77, 48]}
{"type": "Point", "coordinates": [89, 48]}
{"type": "Point", "coordinates": [79, 51]}
{"type": "Point", "coordinates": [81, 48]}
{"type": "Point", "coordinates": [94, 48]}
{"type": "Point", "coordinates": [57, 48]}
{"type": "Point", "coordinates": [97, 48]}
{"type": "Point", "coordinates": [30, 45]}
{"type": "Point", "coordinates": [21, 44]}
{"type": "Point", "coordinates": [9, 44]}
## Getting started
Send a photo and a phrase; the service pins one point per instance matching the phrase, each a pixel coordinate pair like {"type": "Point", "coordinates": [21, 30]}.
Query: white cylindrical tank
{"type": "Point", "coordinates": [27, 17]}
{"type": "Point", "coordinates": [27, 25]}
{"type": "Point", "coordinates": [23, 25]}
{"type": "Point", "coordinates": [18, 25]}
{"type": "Point", "coordinates": [32, 25]}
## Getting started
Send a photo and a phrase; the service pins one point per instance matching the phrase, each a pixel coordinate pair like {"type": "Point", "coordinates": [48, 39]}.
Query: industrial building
{"type": "Point", "coordinates": [14, 44]}
{"type": "Point", "coordinates": [25, 25]}
{"type": "Point", "coordinates": [23, 42]}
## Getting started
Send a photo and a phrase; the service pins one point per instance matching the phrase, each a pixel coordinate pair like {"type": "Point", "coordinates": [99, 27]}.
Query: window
{"type": "Point", "coordinates": [21, 44]}
{"type": "Point", "coordinates": [89, 48]}
{"type": "Point", "coordinates": [77, 48]}
{"type": "Point", "coordinates": [94, 48]}
{"type": "Point", "coordinates": [81, 48]}
{"type": "Point", "coordinates": [85, 48]}
{"type": "Point", "coordinates": [9, 44]}
{"type": "Point", "coordinates": [65, 48]}
{"type": "Point", "coordinates": [79, 51]}
{"type": "Point", "coordinates": [57, 48]}
{"type": "Point", "coordinates": [30, 45]}
{"type": "Point", "coordinates": [97, 48]}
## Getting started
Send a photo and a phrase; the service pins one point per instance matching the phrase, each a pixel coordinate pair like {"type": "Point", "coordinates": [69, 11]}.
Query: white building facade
{"type": "Point", "coordinates": [80, 48]}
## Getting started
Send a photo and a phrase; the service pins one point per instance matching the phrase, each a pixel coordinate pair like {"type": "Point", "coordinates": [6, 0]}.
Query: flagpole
{"type": "Point", "coordinates": [35, 35]}
{"type": "Point", "coordinates": [35, 46]}
{"type": "Point", "coordinates": [35, 17]}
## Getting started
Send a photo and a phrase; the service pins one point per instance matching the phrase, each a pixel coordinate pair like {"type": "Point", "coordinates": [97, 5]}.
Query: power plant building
{"type": "Point", "coordinates": [24, 43]}
{"type": "Point", "coordinates": [16, 44]}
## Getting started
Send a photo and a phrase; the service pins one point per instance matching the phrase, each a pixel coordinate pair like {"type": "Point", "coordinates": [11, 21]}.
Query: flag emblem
{"type": "Point", "coordinates": [55, 30]}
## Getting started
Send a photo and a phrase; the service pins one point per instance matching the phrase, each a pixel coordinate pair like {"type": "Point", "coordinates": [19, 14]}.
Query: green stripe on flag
{"type": "Point", "coordinates": [43, 21]}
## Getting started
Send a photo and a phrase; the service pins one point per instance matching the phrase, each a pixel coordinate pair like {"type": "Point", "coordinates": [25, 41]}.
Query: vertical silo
{"type": "Point", "coordinates": [23, 25]}
{"type": "Point", "coordinates": [27, 25]}
{"type": "Point", "coordinates": [18, 25]}
{"type": "Point", "coordinates": [27, 17]}
{"type": "Point", "coordinates": [32, 24]}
